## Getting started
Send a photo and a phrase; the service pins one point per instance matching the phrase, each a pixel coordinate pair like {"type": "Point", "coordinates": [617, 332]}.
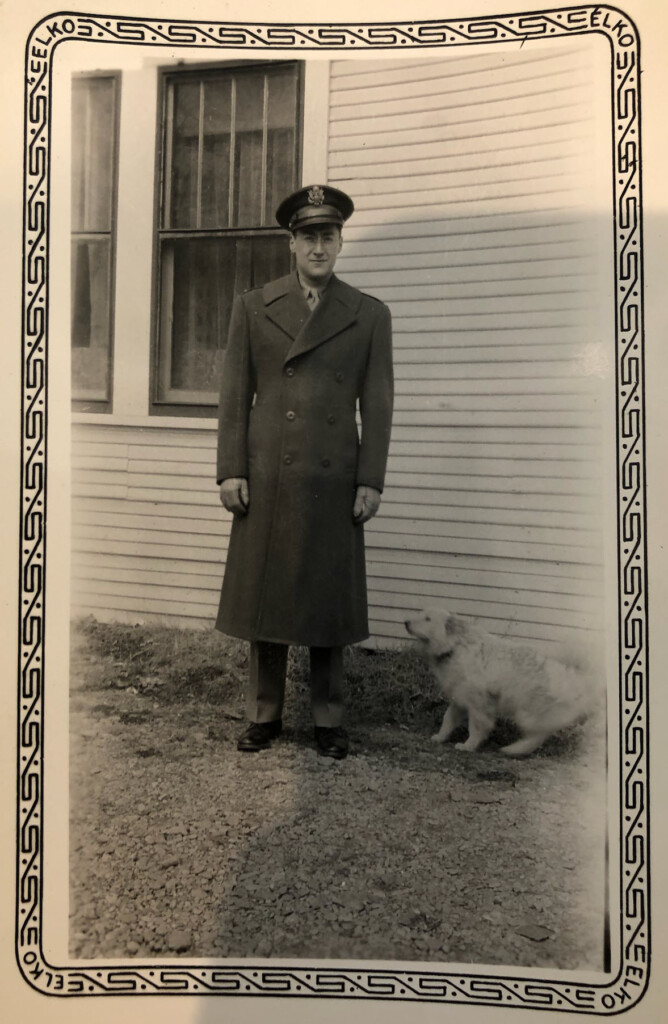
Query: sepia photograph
{"type": "Point", "coordinates": [347, 540]}
{"type": "Point", "coordinates": [457, 196]}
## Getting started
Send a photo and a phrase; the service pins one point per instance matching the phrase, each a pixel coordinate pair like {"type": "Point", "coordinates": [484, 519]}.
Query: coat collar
{"type": "Point", "coordinates": [286, 306]}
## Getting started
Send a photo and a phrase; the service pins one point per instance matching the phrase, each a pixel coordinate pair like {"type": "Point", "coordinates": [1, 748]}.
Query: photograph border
{"type": "Point", "coordinates": [443, 984]}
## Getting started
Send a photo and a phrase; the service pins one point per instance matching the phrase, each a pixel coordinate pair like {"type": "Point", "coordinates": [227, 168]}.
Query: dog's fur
{"type": "Point", "coordinates": [486, 678]}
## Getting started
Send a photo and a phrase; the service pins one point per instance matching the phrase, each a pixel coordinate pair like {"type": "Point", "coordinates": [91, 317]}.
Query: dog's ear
{"type": "Point", "coordinates": [454, 625]}
{"type": "Point", "coordinates": [450, 623]}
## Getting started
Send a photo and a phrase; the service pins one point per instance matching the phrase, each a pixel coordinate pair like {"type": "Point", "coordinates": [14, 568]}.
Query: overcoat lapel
{"type": "Point", "coordinates": [286, 306]}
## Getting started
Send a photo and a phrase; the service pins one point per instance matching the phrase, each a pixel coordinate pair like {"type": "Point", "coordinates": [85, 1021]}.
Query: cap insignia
{"type": "Point", "coordinates": [316, 196]}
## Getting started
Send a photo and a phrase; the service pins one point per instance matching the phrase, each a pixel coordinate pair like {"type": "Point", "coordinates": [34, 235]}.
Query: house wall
{"type": "Point", "coordinates": [475, 183]}
{"type": "Point", "coordinates": [473, 178]}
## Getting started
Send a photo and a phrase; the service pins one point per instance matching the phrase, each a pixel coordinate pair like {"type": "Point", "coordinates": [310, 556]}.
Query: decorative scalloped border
{"type": "Point", "coordinates": [419, 985]}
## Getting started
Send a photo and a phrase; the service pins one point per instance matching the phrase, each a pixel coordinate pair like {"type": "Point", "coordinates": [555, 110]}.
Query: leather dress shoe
{"type": "Point", "coordinates": [259, 735]}
{"type": "Point", "coordinates": [331, 742]}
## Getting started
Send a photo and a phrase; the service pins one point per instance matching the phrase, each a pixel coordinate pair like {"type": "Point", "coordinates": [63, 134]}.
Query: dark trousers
{"type": "Point", "coordinates": [266, 683]}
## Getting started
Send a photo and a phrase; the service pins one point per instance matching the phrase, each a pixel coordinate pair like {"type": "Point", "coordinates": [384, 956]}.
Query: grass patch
{"type": "Point", "coordinates": [383, 688]}
{"type": "Point", "coordinates": [166, 663]}
{"type": "Point", "coordinates": [172, 665]}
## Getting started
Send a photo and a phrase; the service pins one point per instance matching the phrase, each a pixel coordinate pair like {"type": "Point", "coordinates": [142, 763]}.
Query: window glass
{"type": "Point", "coordinates": [248, 152]}
{"type": "Point", "coordinates": [281, 152]}
{"type": "Point", "coordinates": [201, 278]}
{"type": "Point", "coordinates": [216, 153]}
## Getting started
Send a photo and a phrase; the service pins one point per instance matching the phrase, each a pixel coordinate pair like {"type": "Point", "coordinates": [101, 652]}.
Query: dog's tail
{"type": "Point", "coordinates": [578, 654]}
{"type": "Point", "coordinates": [585, 665]}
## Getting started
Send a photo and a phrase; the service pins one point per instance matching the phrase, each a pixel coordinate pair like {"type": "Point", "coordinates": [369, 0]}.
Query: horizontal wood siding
{"type": "Point", "coordinates": [149, 536]}
{"type": "Point", "coordinates": [472, 182]}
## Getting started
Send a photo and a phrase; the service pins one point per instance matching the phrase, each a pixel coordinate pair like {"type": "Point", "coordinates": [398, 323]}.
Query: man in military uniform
{"type": "Point", "coordinates": [304, 352]}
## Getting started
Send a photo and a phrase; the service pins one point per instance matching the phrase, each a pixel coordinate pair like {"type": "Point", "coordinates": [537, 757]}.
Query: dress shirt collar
{"type": "Point", "coordinates": [309, 291]}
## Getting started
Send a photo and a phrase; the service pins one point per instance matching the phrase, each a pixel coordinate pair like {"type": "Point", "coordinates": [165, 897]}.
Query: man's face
{"type": "Point", "coordinates": [316, 249]}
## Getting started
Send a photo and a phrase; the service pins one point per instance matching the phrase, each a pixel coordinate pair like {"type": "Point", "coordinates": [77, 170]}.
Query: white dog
{"type": "Point", "coordinates": [486, 678]}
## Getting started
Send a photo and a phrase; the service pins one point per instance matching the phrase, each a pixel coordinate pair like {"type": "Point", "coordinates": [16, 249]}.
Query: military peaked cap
{"type": "Point", "coordinates": [315, 204]}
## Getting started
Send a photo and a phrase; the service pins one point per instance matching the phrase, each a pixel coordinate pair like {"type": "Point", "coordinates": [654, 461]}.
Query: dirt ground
{"type": "Point", "coordinates": [405, 851]}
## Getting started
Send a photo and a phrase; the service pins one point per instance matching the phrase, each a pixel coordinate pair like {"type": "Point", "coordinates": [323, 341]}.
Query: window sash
{"type": "Point", "coordinates": [226, 164]}
{"type": "Point", "coordinates": [93, 183]}
{"type": "Point", "coordinates": [231, 127]}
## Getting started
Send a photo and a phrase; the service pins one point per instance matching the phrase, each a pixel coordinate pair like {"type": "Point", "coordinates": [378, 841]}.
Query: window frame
{"type": "Point", "coordinates": [161, 359]}
{"type": "Point", "coordinates": [92, 404]}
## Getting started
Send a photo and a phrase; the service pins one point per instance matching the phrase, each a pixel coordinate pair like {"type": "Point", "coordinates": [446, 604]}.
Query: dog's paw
{"type": "Point", "coordinates": [525, 745]}
{"type": "Point", "coordinates": [437, 738]}
{"type": "Point", "coordinates": [467, 746]}
{"type": "Point", "coordinates": [519, 749]}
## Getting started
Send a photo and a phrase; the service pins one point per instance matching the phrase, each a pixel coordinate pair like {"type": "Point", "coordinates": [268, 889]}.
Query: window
{"type": "Point", "coordinates": [94, 159]}
{"type": "Point", "coordinates": [230, 146]}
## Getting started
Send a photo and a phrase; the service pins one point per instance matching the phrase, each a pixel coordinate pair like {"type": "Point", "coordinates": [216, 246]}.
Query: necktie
{"type": "Point", "coordinates": [312, 298]}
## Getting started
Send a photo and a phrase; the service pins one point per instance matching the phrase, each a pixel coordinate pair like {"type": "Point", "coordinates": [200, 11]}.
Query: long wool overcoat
{"type": "Point", "coordinates": [291, 382]}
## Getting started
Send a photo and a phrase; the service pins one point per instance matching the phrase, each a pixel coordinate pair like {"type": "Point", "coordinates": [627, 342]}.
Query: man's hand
{"type": "Point", "coordinates": [367, 502]}
{"type": "Point", "coordinates": [234, 495]}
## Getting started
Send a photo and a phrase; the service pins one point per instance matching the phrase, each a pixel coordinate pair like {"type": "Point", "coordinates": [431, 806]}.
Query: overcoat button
{"type": "Point", "coordinates": [287, 459]}
{"type": "Point", "coordinates": [290, 372]}
{"type": "Point", "coordinates": [331, 419]}
{"type": "Point", "coordinates": [289, 416]}
{"type": "Point", "coordinates": [325, 463]}
{"type": "Point", "coordinates": [339, 376]}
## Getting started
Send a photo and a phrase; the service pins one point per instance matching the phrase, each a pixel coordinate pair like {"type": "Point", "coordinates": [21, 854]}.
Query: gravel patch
{"type": "Point", "coordinates": [183, 846]}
